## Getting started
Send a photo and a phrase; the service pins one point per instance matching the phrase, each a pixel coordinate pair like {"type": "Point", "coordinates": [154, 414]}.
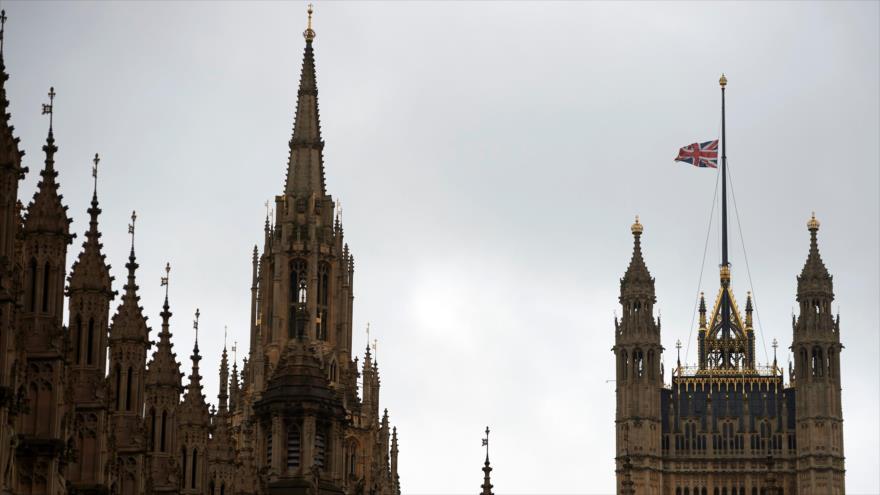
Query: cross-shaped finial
{"type": "Point", "coordinates": [2, 28]}
{"type": "Point", "coordinates": [95, 160]}
{"type": "Point", "coordinates": [196, 325]}
{"type": "Point", "coordinates": [267, 210]}
{"type": "Point", "coordinates": [164, 282]}
{"type": "Point", "coordinates": [224, 336]}
{"type": "Point", "coordinates": [368, 333]}
{"type": "Point", "coordinates": [376, 350]}
{"type": "Point", "coordinates": [234, 351]}
{"type": "Point", "coordinates": [131, 227]}
{"type": "Point", "coordinates": [486, 443]}
{"type": "Point", "coordinates": [49, 108]}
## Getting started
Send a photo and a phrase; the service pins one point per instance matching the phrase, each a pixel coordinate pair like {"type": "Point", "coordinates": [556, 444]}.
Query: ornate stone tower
{"type": "Point", "coordinates": [11, 172]}
{"type": "Point", "coordinates": [129, 342]}
{"type": "Point", "coordinates": [90, 292]}
{"type": "Point", "coordinates": [42, 451]}
{"type": "Point", "coordinates": [637, 349]}
{"type": "Point", "coordinates": [193, 428]}
{"type": "Point", "coordinates": [162, 390]}
{"type": "Point", "coordinates": [816, 347]}
{"type": "Point", "coordinates": [222, 469]}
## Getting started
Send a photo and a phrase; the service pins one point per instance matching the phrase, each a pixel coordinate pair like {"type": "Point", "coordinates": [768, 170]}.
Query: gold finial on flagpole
{"type": "Point", "coordinates": [723, 80]}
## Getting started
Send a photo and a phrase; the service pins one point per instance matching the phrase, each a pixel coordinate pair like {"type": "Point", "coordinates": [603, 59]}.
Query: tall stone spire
{"type": "Point", "coordinates": [305, 167]}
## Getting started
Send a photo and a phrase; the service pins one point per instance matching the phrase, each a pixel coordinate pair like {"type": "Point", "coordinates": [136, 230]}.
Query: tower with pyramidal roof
{"type": "Point", "coordinates": [100, 407]}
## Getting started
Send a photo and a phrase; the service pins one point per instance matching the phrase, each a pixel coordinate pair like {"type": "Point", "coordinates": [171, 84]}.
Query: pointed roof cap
{"type": "Point", "coordinates": [305, 167]}
{"type": "Point", "coordinates": [814, 276]}
{"type": "Point", "coordinates": [637, 276]}
{"type": "Point", "coordinates": [163, 368]}
{"type": "Point", "coordinates": [90, 271]}
{"type": "Point", "coordinates": [194, 398]}
{"type": "Point", "coordinates": [45, 213]}
{"type": "Point", "coordinates": [129, 321]}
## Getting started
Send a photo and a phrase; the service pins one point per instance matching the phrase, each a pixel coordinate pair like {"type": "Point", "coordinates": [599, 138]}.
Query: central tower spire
{"type": "Point", "coordinates": [305, 167]}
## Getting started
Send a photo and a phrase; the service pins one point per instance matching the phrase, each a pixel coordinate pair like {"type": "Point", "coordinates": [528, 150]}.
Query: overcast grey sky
{"type": "Point", "coordinates": [490, 158]}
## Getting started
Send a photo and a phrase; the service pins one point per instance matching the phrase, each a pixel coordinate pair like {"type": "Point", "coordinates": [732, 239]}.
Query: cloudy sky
{"type": "Point", "coordinates": [490, 158]}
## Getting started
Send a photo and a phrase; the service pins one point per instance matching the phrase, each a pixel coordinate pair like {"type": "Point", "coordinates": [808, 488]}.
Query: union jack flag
{"type": "Point", "coordinates": [700, 154]}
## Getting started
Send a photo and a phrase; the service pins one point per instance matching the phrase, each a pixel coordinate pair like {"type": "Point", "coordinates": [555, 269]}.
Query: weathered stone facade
{"type": "Point", "coordinates": [727, 426]}
{"type": "Point", "coordinates": [85, 408]}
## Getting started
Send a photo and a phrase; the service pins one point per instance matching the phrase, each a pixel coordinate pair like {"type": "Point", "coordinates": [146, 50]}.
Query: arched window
{"type": "Point", "coordinates": [293, 447]}
{"type": "Point", "coordinates": [830, 362]}
{"type": "Point", "coordinates": [33, 282]}
{"type": "Point", "coordinates": [211, 487]}
{"type": "Point", "coordinates": [651, 364]}
{"type": "Point", "coordinates": [128, 390]}
{"type": "Point", "coordinates": [320, 448]}
{"type": "Point", "coordinates": [195, 467]}
{"type": "Point", "coordinates": [90, 341]}
{"type": "Point", "coordinates": [152, 429]}
{"type": "Point", "coordinates": [162, 433]}
{"type": "Point", "coordinates": [78, 340]}
{"type": "Point", "coordinates": [323, 301]}
{"type": "Point", "coordinates": [624, 359]}
{"type": "Point", "coordinates": [183, 468]}
{"type": "Point", "coordinates": [269, 447]}
{"type": "Point", "coordinates": [118, 388]}
{"type": "Point", "coordinates": [46, 278]}
{"type": "Point", "coordinates": [639, 363]}
{"type": "Point", "coordinates": [297, 278]}
{"type": "Point", "coordinates": [223, 488]}
{"type": "Point", "coordinates": [351, 459]}
{"type": "Point", "coordinates": [333, 372]}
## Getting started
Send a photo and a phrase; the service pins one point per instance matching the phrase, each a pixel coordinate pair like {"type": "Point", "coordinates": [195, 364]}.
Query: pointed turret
{"type": "Point", "coordinates": [163, 369]}
{"type": "Point", "coordinates": [90, 272]}
{"type": "Point", "coordinates": [395, 477]}
{"type": "Point", "coordinates": [223, 396]}
{"type": "Point", "coordinates": [637, 280]}
{"type": "Point", "coordinates": [129, 322]}
{"type": "Point", "coordinates": [46, 214]}
{"type": "Point", "coordinates": [814, 281]}
{"type": "Point", "coordinates": [305, 168]}
{"type": "Point", "coordinates": [234, 390]}
{"type": "Point", "coordinates": [193, 395]}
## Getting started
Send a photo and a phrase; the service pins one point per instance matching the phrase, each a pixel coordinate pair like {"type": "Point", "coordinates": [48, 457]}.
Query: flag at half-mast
{"type": "Point", "coordinates": [703, 155]}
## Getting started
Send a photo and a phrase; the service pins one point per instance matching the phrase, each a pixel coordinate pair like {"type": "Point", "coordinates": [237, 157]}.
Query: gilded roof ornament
{"type": "Point", "coordinates": [725, 273]}
{"type": "Point", "coordinates": [309, 33]}
{"type": "Point", "coordinates": [723, 80]}
{"type": "Point", "coordinates": [813, 224]}
{"type": "Point", "coordinates": [637, 227]}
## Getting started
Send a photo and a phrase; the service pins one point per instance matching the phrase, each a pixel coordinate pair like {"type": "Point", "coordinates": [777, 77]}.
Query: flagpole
{"type": "Point", "coordinates": [725, 263]}
{"type": "Point", "coordinates": [724, 260]}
